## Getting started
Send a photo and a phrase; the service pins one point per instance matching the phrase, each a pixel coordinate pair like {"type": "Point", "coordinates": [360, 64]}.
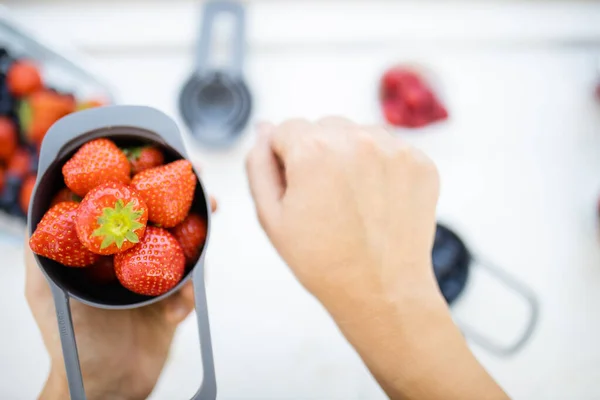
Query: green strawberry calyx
{"type": "Point", "coordinates": [118, 224]}
{"type": "Point", "coordinates": [134, 153]}
{"type": "Point", "coordinates": [25, 115]}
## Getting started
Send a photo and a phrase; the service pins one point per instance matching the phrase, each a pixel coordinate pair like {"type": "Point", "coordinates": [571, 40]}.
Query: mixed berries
{"type": "Point", "coordinates": [28, 108]}
{"type": "Point", "coordinates": [123, 220]}
{"type": "Point", "coordinates": [408, 101]}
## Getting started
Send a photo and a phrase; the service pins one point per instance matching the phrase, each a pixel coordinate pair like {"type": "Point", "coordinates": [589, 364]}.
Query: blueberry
{"type": "Point", "coordinates": [5, 63]}
{"type": "Point", "coordinates": [7, 101]}
{"type": "Point", "coordinates": [10, 195]}
{"type": "Point", "coordinates": [15, 210]}
{"type": "Point", "coordinates": [33, 166]}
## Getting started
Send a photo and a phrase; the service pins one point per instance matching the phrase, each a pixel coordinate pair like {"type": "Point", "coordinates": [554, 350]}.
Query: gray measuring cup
{"type": "Point", "coordinates": [126, 125]}
{"type": "Point", "coordinates": [215, 102]}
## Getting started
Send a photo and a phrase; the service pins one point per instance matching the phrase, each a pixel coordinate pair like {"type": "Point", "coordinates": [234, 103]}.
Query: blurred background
{"type": "Point", "coordinates": [516, 137]}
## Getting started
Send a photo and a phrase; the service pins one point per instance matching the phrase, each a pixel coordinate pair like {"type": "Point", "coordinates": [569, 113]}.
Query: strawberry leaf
{"type": "Point", "coordinates": [25, 114]}
{"type": "Point", "coordinates": [133, 153]}
{"type": "Point", "coordinates": [118, 224]}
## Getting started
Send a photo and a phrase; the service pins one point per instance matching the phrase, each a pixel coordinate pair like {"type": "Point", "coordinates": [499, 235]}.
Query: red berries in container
{"type": "Point", "coordinates": [408, 100]}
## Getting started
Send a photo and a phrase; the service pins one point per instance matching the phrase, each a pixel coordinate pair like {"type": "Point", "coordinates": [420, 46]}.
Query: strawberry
{"type": "Point", "coordinates": [25, 194]}
{"type": "Point", "coordinates": [8, 138]}
{"type": "Point", "coordinates": [168, 191]}
{"type": "Point", "coordinates": [23, 77]}
{"type": "Point", "coordinates": [41, 110]}
{"type": "Point", "coordinates": [56, 238]}
{"type": "Point", "coordinates": [111, 218]}
{"type": "Point", "coordinates": [191, 234]}
{"type": "Point", "coordinates": [51, 102]}
{"type": "Point", "coordinates": [19, 163]}
{"type": "Point", "coordinates": [64, 194]}
{"type": "Point", "coordinates": [102, 272]}
{"type": "Point", "coordinates": [154, 266]}
{"type": "Point", "coordinates": [96, 162]}
{"type": "Point", "coordinates": [143, 158]}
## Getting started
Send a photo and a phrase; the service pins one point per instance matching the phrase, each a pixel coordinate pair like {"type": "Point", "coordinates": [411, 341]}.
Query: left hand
{"type": "Point", "coordinates": [122, 352]}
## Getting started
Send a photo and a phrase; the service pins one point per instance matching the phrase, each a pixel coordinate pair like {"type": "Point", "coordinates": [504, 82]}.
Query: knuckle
{"type": "Point", "coordinates": [403, 154]}
{"type": "Point", "coordinates": [366, 143]}
{"type": "Point", "coordinates": [334, 120]}
{"type": "Point", "coordinates": [294, 124]}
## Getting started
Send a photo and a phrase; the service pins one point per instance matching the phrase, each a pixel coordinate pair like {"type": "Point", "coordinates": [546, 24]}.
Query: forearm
{"type": "Point", "coordinates": [416, 351]}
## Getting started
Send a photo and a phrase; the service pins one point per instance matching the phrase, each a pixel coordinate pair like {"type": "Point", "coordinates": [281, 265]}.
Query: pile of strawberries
{"type": "Point", "coordinates": [28, 108]}
{"type": "Point", "coordinates": [124, 215]}
{"type": "Point", "coordinates": [407, 99]}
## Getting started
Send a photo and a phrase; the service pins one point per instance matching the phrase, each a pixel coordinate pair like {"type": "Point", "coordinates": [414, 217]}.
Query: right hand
{"type": "Point", "coordinates": [350, 208]}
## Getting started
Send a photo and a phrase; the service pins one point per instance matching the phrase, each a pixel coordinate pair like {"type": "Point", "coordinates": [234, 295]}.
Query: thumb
{"type": "Point", "coordinates": [180, 305]}
{"type": "Point", "coordinates": [265, 177]}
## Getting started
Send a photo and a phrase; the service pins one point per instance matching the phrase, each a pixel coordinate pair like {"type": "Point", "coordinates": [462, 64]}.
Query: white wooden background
{"type": "Point", "coordinates": [519, 159]}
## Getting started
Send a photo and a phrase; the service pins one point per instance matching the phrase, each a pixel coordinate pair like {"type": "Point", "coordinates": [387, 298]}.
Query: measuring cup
{"type": "Point", "coordinates": [452, 262]}
{"type": "Point", "coordinates": [215, 102]}
{"type": "Point", "coordinates": [125, 125]}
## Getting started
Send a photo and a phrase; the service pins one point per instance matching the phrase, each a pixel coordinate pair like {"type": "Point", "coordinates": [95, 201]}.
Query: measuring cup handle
{"type": "Point", "coordinates": [67, 339]}
{"type": "Point", "coordinates": [521, 289]}
{"type": "Point", "coordinates": [212, 10]}
{"type": "Point", "coordinates": [208, 389]}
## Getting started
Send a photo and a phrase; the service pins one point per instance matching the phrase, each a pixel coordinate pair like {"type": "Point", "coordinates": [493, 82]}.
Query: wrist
{"type": "Point", "coordinates": [57, 388]}
{"type": "Point", "coordinates": [392, 292]}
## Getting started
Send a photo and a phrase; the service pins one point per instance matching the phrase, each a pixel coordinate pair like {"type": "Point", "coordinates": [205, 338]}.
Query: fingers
{"type": "Point", "coordinates": [214, 205]}
{"type": "Point", "coordinates": [265, 176]}
{"type": "Point", "coordinates": [285, 137]}
{"type": "Point", "coordinates": [335, 122]}
{"type": "Point", "coordinates": [180, 305]}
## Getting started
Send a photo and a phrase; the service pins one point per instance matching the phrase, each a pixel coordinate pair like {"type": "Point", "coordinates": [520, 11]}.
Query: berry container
{"type": "Point", "coordinates": [62, 71]}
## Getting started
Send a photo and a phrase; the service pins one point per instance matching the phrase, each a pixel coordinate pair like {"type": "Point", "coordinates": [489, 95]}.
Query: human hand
{"type": "Point", "coordinates": [121, 352]}
{"type": "Point", "coordinates": [350, 208]}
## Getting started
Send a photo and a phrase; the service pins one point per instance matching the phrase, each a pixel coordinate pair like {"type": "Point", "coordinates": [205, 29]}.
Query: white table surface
{"type": "Point", "coordinates": [519, 160]}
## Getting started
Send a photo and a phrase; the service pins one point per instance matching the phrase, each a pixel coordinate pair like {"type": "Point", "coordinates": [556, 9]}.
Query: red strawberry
{"type": "Point", "coordinates": [8, 138]}
{"type": "Point", "coordinates": [168, 191]}
{"type": "Point", "coordinates": [191, 234]}
{"type": "Point", "coordinates": [26, 190]}
{"type": "Point", "coordinates": [102, 272]}
{"type": "Point", "coordinates": [23, 78]}
{"type": "Point", "coordinates": [41, 110]}
{"type": "Point", "coordinates": [52, 103]}
{"type": "Point", "coordinates": [65, 194]}
{"type": "Point", "coordinates": [111, 218]}
{"type": "Point", "coordinates": [96, 162]}
{"type": "Point", "coordinates": [154, 266]}
{"type": "Point", "coordinates": [19, 163]}
{"type": "Point", "coordinates": [55, 238]}
{"type": "Point", "coordinates": [143, 158]}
